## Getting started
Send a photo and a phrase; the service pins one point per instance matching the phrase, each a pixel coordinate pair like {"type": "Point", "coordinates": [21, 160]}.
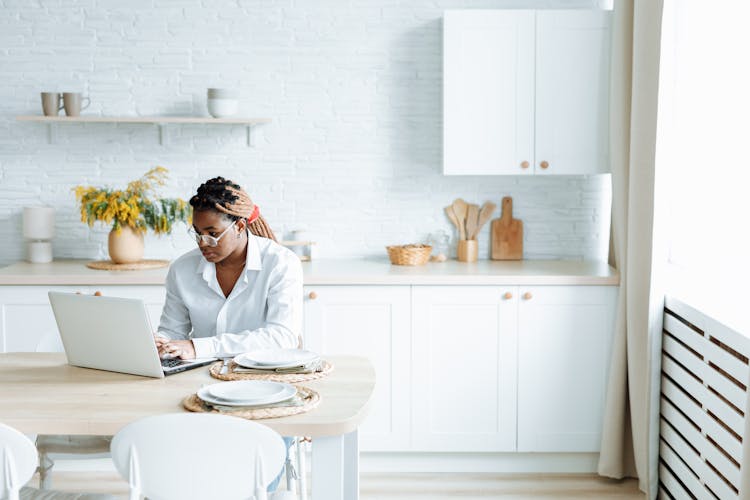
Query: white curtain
{"type": "Point", "coordinates": [630, 430]}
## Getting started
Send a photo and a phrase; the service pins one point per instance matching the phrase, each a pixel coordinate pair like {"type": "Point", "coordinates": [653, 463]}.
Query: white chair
{"type": "Point", "coordinates": [46, 444]}
{"type": "Point", "coordinates": [18, 461]}
{"type": "Point", "coordinates": [295, 466]}
{"type": "Point", "coordinates": [198, 456]}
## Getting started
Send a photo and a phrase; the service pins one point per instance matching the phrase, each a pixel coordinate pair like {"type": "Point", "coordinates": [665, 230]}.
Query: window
{"type": "Point", "coordinates": [707, 167]}
{"type": "Point", "coordinates": [703, 162]}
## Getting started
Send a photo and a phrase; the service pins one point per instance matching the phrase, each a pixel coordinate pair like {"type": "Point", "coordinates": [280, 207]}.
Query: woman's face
{"type": "Point", "coordinates": [212, 223]}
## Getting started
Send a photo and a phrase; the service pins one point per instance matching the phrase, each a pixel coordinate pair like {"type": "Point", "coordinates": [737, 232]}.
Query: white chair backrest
{"type": "Point", "coordinates": [18, 461]}
{"type": "Point", "coordinates": [197, 456]}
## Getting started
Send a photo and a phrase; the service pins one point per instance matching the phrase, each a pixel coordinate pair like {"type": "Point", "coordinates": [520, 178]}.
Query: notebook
{"type": "Point", "coordinates": [113, 334]}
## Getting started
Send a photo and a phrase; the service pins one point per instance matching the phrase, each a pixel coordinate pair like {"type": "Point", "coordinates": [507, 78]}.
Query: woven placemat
{"type": "Point", "coordinates": [289, 378]}
{"type": "Point", "coordinates": [305, 400]}
{"type": "Point", "coordinates": [108, 265]}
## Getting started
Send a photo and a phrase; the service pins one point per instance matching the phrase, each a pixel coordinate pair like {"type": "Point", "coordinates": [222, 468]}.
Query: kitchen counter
{"type": "Point", "coordinates": [345, 272]}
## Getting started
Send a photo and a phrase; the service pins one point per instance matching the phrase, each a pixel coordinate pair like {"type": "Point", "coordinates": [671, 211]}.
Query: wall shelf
{"type": "Point", "coordinates": [160, 121]}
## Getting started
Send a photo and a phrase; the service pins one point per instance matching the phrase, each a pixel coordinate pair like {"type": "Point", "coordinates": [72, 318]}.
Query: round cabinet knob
{"type": "Point", "coordinates": [527, 296]}
{"type": "Point", "coordinates": [507, 295]}
{"type": "Point", "coordinates": [312, 295]}
{"type": "Point", "coordinates": [524, 164]}
{"type": "Point", "coordinates": [544, 164]}
{"type": "Point", "coordinates": [97, 293]}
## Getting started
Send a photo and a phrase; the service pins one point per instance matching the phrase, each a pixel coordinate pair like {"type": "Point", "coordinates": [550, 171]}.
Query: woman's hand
{"type": "Point", "coordinates": [182, 349]}
{"type": "Point", "coordinates": [161, 346]}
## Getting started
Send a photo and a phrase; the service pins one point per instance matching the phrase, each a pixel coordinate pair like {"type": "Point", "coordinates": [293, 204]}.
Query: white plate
{"type": "Point", "coordinates": [246, 392]}
{"type": "Point", "coordinates": [208, 398]}
{"type": "Point", "coordinates": [276, 358]}
{"type": "Point", "coordinates": [243, 362]}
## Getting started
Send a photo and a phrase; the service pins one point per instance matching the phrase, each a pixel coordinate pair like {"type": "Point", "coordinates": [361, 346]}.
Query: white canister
{"type": "Point", "coordinates": [39, 229]}
{"type": "Point", "coordinates": [304, 250]}
{"type": "Point", "coordinates": [298, 235]}
{"type": "Point", "coordinates": [222, 103]}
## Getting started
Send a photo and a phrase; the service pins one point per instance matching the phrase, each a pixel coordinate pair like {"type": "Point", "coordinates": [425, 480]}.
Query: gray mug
{"type": "Point", "coordinates": [51, 103]}
{"type": "Point", "coordinates": [72, 102]}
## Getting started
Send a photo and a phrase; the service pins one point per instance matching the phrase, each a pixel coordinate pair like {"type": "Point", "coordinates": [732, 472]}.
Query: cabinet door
{"type": "Point", "coordinates": [572, 91]}
{"type": "Point", "coordinates": [488, 92]}
{"type": "Point", "coordinates": [564, 342]}
{"type": "Point", "coordinates": [26, 317]}
{"type": "Point", "coordinates": [370, 321]}
{"type": "Point", "coordinates": [27, 323]}
{"type": "Point", "coordinates": [464, 368]}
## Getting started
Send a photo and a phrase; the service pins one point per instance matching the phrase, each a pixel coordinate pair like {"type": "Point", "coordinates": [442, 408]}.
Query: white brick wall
{"type": "Point", "coordinates": [354, 150]}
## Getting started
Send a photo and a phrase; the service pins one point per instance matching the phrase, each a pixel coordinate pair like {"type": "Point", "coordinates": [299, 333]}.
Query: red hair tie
{"type": "Point", "coordinates": [254, 216]}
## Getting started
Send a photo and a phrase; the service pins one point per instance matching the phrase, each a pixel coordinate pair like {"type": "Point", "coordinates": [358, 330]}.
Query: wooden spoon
{"type": "Point", "coordinates": [460, 208]}
{"type": "Point", "coordinates": [484, 215]}
{"type": "Point", "coordinates": [472, 215]}
{"type": "Point", "coordinates": [452, 216]}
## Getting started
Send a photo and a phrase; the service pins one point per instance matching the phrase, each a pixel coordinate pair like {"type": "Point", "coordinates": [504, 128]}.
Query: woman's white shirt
{"type": "Point", "coordinates": [263, 310]}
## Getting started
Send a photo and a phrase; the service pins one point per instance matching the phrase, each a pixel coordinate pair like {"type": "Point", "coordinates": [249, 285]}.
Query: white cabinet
{"type": "Point", "coordinates": [464, 368]}
{"type": "Point", "coordinates": [572, 92]}
{"type": "Point", "coordinates": [564, 344]}
{"type": "Point", "coordinates": [474, 368]}
{"type": "Point", "coordinates": [526, 92]}
{"type": "Point", "coordinates": [488, 92]}
{"type": "Point", "coordinates": [26, 315]}
{"type": "Point", "coordinates": [510, 368]}
{"type": "Point", "coordinates": [371, 321]}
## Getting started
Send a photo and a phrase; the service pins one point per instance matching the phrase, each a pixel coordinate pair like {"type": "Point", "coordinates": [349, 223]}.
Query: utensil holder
{"type": "Point", "coordinates": [468, 250]}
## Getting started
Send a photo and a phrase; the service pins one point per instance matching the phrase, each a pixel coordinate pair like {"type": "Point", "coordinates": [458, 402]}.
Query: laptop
{"type": "Point", "coordinates": [113, 334]}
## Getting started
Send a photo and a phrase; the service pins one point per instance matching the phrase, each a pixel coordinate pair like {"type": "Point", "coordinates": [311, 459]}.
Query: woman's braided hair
{"type": "Point", "coordinates": [228, 198]}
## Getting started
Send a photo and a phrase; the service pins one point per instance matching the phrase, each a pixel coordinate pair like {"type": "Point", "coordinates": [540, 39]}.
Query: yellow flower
{"type": "Point", "coordinates": [137, 206]}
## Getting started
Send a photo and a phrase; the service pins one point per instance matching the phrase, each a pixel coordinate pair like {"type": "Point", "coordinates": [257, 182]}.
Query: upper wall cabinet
{"type": "Point", "coordinates": [526, 92]}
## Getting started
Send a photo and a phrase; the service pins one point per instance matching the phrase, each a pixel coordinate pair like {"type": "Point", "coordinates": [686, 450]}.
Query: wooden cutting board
{"type": "Point", "coordinates": [507, 234]}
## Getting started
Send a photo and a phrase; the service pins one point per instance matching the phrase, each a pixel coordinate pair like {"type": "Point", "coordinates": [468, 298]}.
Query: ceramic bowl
{"type": "Point", "coordinates": [222, 108]}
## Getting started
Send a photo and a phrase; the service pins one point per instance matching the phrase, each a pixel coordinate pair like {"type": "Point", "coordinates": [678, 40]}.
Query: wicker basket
{"type": "Point", "coordinates": [409, 255]}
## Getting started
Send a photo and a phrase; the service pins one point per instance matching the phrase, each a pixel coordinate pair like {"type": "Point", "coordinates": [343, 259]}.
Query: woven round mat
{"type": "Point", "coordinates": [108, 265]}
{"type": "Point", "coordinates": [307, 398]}
{"type": "Point", "coordinates": [289, 378]}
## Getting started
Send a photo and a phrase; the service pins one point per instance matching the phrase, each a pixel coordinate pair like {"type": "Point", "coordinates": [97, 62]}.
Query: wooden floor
{"type": "Point", "coordinates": [422, 486]}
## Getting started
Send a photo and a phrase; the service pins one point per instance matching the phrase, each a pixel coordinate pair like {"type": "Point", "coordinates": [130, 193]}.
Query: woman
{"type": "Point", "coordinates": [239, 290]}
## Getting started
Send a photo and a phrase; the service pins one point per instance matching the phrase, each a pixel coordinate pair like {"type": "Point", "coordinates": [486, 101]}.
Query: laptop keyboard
{"type": "Point", "coordinates": [170, 363]}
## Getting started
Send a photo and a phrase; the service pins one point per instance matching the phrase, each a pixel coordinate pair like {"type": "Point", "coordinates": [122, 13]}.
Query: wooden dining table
{"type": "Point", "coordinates": [41, 394]}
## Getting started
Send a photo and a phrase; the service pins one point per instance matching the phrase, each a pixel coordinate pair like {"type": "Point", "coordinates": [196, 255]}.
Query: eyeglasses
{"type": "Point", "coordinates": [207, 238]}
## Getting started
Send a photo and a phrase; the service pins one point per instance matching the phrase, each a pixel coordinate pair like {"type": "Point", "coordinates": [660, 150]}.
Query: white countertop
{"type": "Point", "coordinates": [345, 272]}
